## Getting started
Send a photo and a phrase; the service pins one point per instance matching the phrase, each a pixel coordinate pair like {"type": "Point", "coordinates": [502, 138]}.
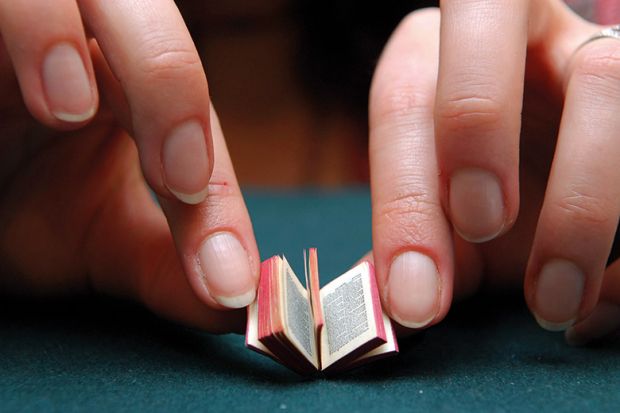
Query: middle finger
{"type": "Point", "coordinates": [477, 113]}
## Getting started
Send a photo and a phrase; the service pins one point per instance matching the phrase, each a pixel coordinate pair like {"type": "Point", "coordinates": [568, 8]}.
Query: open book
{"type": "Point", "coordinates": [309, 329]}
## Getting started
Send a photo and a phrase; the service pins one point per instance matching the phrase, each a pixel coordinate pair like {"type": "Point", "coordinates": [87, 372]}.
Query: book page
{"type": "Point", "coordinates": [299, 326]}
{"type": "Point", "coordinates": [314, 288]}
{"type": "Point", "coordinates": [349, 315]}
{"type": "Point", "coordinates": [383, 350]}
{"type": "Point", "coordinates": [272, 319]}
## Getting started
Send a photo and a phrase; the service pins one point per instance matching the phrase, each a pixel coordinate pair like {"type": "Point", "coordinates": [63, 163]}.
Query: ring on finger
{"type": "Point", "coordinates": [608, 32]}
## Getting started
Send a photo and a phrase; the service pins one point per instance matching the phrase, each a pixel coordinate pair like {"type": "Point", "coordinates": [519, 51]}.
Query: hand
{"type": "Point", "coordinates": [447, 131]}
{"type": "Point", "coordinates": [75, 213]}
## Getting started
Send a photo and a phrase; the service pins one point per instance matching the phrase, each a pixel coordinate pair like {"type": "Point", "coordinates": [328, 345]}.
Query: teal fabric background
{"type": "Point", "coordinates": [104, 355]}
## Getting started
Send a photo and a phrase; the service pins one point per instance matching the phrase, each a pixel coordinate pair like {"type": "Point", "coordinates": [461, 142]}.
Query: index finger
{"type": "Point", "coordinates": [477, 112]}
{"type": "Point", "coordinates": [150, 51]}
{"type": "Point", "coordinates": [412, 245]}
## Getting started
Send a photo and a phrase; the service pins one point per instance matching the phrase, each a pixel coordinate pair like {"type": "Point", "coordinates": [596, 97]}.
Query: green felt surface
{"type": "Point", "coordinates": [103, 355]}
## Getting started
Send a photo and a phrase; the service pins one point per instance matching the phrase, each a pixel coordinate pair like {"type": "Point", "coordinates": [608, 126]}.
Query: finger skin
{"type": "Point", "coordinates": [580, 212]}
{"type": "Point", "coordinates": [92, 226]}
{"type": "Point", "coordinates": [51, 60]}
{"type": "Point", "coordinates": [477, 113]}
{"type": "Point", "coordinates": [151, 53]}
{"type": "Point", "coordinates": [143, 263]}
{"type": "Point", "coordinates": [233, 282]}
{"type": "Point", "coordinates": [147, 48]}
{"type": "Point", "coordinates": [411, 238]}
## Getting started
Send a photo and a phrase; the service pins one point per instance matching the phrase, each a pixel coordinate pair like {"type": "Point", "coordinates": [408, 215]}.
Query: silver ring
{"type": "Point", "coordinates": [608, 32]}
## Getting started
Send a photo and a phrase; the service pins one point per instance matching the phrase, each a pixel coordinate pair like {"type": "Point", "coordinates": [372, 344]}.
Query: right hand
{"type": "Point", "coordinates": [75, 214]}
{"type": "Point", "coordinates": [470, 188]}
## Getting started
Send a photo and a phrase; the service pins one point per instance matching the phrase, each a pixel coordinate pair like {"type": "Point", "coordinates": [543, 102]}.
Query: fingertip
{"type": "Point", "coordinates": [50, 58]}
{"type": "Point", "coordinates": [74, 118]}
{"type": "Point", "coordinates": [191, 199]}
{"type": "Point", "coordinates": [551, 326]}
{"type": "Point", "coordinates": [186, 166]}
{"type": "Point", "coordinates": [558, 294]}
{"type": "Point", "coordinates": [476, 205]}
{"type": "Point", "coordinates": [69, 91]}
{"type": "Point", "coordinates": [413, 290]}
{"type": "Point", "coordinates": [238, 301]}
{"type": "Point", "coordinates": [226, 270]}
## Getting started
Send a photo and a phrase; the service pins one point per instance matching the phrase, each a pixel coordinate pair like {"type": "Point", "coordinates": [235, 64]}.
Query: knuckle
{"type": "Point", "coordinates": [583, 209]}
{"type": "Point", "coordinates": [466, 111]}
{"type": "Point", "coordinates": [166, 57]}
{"type": "Point", "coordinates": [399, 102]}
{"type": "Point", "coordinates": [224, 206]}
{"type": "Point", "coordinates": [410, 215]}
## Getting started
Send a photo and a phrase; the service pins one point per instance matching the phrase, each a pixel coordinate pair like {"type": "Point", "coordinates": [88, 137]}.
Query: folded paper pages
{"type": "Point", "coordinates": [339, 326]}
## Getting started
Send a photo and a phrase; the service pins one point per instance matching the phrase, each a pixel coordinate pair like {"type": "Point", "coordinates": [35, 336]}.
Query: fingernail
{"type": "Point", "coordinates": [604, 320]}
{"type": "Point", "coordinates": [66, 84]}
{"type": "Point", "coordinates": [413, 289]}
{"type": "Point", "coordinates": [476, 204]}
{"type": "Point", "coordinates": [226, 270]}
{"type": "Point", "coordinates": [559, 291]}
{"type": "Point", "coordinates": [186, 163]}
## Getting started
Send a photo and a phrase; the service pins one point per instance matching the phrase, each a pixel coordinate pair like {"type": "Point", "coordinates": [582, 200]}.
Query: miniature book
{"type": "Point", "coordinates": [337, 327]}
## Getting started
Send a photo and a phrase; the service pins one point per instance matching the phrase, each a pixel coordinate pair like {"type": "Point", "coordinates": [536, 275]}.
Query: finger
{"type": "Point", "coordinates": [477, 113]}
{"type": "Point", "coordinates": [580, 212]}
{"type": "Point", "coordinates": [47, 45]}
{"type": "Point", "coordinates": [143, 264]}
{"type": "Point", "coordinates": [215, 239]}
{"type": "Point", "coordinates": [605, 318]}
{"type": "Point", "coordinates": [411, 237]}
{"type": "Point", "coordinates": [151, 53]}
